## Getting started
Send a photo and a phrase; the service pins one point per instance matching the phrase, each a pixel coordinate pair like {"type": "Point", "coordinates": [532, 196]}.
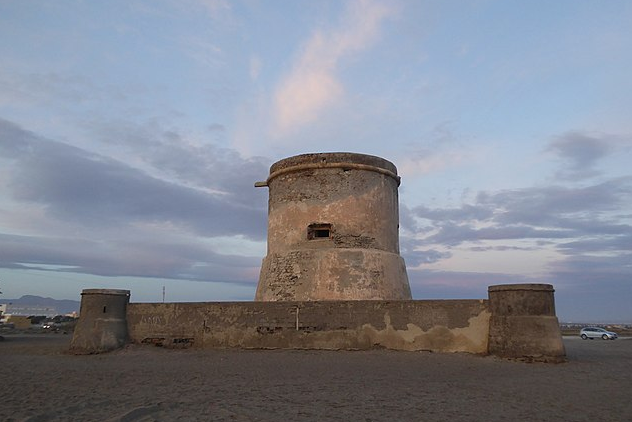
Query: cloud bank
{"type": "Point", "coordinates": [125, 220]}
{"type": "Point", "coordinates": [312, 83]}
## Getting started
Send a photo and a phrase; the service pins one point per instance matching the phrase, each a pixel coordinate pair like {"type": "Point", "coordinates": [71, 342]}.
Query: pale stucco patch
{"type": "Point", "coordinates": [439, 338]}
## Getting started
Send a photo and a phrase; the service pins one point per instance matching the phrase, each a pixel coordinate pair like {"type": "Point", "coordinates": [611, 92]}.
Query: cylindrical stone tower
{"type": "Point", "coordinates": [102, 324]}
{"type": "Point", "coordinates": [333, 221]}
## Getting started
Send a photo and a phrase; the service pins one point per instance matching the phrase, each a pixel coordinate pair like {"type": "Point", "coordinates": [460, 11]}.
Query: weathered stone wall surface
{"type": "Point", "coordinates": [362, 204]}
{"type": "Point", "coordinates": [102, 325]}
{"type": "Point", "coordinates": [435, 325]}
{"type": "Point", "coordinates": [333, 274]}
{"type": "Point", "coordinates": [523, 322]}
{"type": "Point", "coordinates": [333, 221]}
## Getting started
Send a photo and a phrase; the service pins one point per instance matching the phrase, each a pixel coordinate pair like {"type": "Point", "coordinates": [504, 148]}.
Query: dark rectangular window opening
{"type": "Point", "coordinates": [318, 231]}
{"type": "Point", "coordinates": [321, 233]}
{"type": "Point", "coordinates": [105, 309]}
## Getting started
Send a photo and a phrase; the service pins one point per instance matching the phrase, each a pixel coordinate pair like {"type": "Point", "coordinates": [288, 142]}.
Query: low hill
{"type": "Point", "coordinates": [64, 306]}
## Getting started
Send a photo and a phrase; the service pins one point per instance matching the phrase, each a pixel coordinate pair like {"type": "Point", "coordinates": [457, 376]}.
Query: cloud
{"type": "Point", "coordinates": [53, 88]}
{"type": "Point", "coordinates": [40, 87]}
{"type": "Point", "coordinates": [425, 161]}
{"type": "Point", "coordinates": [176, 157]}
{"type": "Point", "coordinates": [216, 127]}
{"type": "Point", "coordinates": [559, 206]}
{"type": "Point", "coordinates": [442, 284]}
{"type": "Point", "coordinates": [465, 213]}
{"type": "Point", "coordinates": [312, 84]}
{"type": "Point", "coordinates": [595, 290]}
{"type": "Point", "coordinates": [440, 149]}
{"type": "Point", "coordinates": [125, 257]}
{"type": "Point", "coordinates": [593, 287]}
{"type": "Point", "coordinates": [80, 186]}
{"type": "Point", "coordinates": [581, 152]}
{"type": "Point", "coordinates": [573, 236]}
{"type": "Point", "coordinates": [577, 236]}
{"type": "Point", "coordinates": [122, 220]}
{"type": "Point", "coordinates": [410, 250]}
{"type": "Point", "coordinates": [407, 219]}
{"type": "Point", "coordinates": [215, 8]}
{"type": "Point", "coordinates": [454, 235]}
{"type": "Point", "coordinates": [500, 248]}
{"type": "Point", "coordinates": [255, 67]}
{"type": "Point", "coordinates": [552, 212]}
{"type": "Point", "coordinates": [619, 241]}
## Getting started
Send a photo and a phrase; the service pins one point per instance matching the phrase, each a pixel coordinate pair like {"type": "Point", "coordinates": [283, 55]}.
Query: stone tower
{"type": "Point", "coordinates": [102, 324]}
{"type": "Point", "coordinates": [333, 222]}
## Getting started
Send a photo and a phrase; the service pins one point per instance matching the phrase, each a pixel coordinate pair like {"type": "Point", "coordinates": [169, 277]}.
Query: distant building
{"type": "Point", "coordinates": [28, 310]}
{"type": "Point", "coordinates": [19, 321]}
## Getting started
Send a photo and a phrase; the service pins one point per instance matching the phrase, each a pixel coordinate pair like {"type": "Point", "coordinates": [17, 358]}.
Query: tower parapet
{"type": "Point", "coordinates": [333, 230]}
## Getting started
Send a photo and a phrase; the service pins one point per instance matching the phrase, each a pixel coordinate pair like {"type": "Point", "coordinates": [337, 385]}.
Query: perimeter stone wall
{"type": "Point", "coordinates": [434, 325]}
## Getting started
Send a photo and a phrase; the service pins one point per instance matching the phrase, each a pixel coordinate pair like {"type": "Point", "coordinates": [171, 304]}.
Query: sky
{"type": "Point", "coordinates": [132, 132]}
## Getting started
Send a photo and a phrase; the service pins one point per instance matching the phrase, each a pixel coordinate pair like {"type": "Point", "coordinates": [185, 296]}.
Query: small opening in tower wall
{"type": "Point", "coordinates": [319, 231]}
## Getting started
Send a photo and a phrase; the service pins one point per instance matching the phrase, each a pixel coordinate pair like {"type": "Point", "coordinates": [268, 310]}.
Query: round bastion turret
{"type": "Point", "coordinates": [333, 230]}
{"type": "Point", "coordinates": [523, 323]}
{"type": "Point", "coordinates": [102, 324]}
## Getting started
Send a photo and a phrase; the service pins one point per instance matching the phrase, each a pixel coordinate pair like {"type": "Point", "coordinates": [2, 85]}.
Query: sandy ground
{"type": "Point", "coordinates": [40, 382]}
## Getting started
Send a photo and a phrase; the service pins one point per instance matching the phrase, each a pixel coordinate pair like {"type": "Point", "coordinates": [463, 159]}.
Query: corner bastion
{"type": "Point", "coordinates": [102, 324]}
{"type": "Point", "coordinates": [332, 279]}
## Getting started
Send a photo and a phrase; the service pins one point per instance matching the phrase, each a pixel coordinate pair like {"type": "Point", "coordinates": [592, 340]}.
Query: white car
{"type": "Point", "coordinates": [596, 332]}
